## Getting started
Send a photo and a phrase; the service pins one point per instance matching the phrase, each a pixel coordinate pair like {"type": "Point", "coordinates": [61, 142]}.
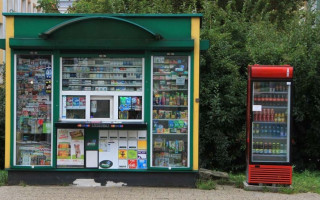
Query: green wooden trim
{"type": "Point", "coordinates": [33, 52]}
{"type": "Point", "coordinates": [204, 45]}
{"type": "Point", "coordinates": [55, 103]}
{"type": "Point", "coordinates": [147, 104]}
{"type": "Point", "coordinates": [89, 44]}
{"type": "Point", "coordinates": [113, 15]}
{"type": "Point", "coordinates": [47, 33]}
{"type": "Point", "coordinates": [13, 102]}
{"type": "Point", "coordinates": [3, 44]}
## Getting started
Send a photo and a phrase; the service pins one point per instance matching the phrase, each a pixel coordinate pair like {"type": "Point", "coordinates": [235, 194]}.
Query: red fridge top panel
{"type": "Point", "coordinates": [272, 71]}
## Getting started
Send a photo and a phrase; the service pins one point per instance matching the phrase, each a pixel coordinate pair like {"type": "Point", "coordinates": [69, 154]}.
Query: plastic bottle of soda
{"type": "Point", "coordinates": [281, 131]}
{"type": "Point", "coordinates": [278, 148]}
{"type": "Point", "coordinates": [257, 129]}
{"type": "Point", "coordinates": [273, 148]}
{"type": "Point", "coordinates": [281, 148]}
{"type": "Point", "coordinates": [285, 148]}
{"type": "Point", "coordinates": [265, 149]}
{"type": "Point", "coordinates": [261, 147]}
{"type": "Point", "coordinates": [253, 147]}
{"type": "Point", "coordinates": [270, 148]}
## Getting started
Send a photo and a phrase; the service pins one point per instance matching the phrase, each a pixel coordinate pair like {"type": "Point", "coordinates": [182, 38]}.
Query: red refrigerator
{"type": "Point", "coordinates": [269, 106]}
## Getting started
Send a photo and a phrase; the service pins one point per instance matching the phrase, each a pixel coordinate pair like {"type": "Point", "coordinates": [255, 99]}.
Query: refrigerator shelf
{"type": "Point", "coordinates": [268, 155]}
{"type": "Point", "coordinates": [261, 122]}
{"type": "Point", "coordinates": [282, 107]}
{"type": "Point", "coordinates": [283, 92]}
{"type": "Point", "coordinates": [272, 138]}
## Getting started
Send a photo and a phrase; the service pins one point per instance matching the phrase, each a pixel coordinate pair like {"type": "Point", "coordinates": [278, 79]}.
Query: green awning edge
{"type": "Point", "coordinates": [3, 44]}
{"type": "Point", "coordinates": [204, 45]}
{"type": "Point", "coordinates": [101, 44]}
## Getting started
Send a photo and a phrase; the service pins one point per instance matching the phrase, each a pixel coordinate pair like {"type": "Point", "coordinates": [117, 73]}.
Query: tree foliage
{"type": "Point", "coordinates": [244, 32]}
{"type": "Point", "coordinates": [48, 6]}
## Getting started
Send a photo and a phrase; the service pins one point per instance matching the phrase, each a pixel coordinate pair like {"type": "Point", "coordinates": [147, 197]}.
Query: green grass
{"type": "Point", "coordinates": [206, 184]}
{"type": "Point", "coordinates": [302, 182]}
{"type": "Point", "coordinates": [3, 177]}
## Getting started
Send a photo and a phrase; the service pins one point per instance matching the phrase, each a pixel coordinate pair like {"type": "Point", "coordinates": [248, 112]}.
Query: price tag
{"type": "Point", "coordinates": [180, 80]}
{"type": "Point", "coordinates": [256, 108]}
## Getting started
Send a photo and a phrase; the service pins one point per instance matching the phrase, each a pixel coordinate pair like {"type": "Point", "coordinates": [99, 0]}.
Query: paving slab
{"type": "Point", "coordinates": [122, 193]}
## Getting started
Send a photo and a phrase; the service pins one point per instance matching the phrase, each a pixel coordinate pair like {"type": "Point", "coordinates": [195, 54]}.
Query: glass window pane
{"type": "Point", "coordinates": [102, 74]}
{"type": "Point", "coordinates": [73, 107]}
{"type": "Point", "coordinates": [130, 107]}
{"type": "Point", "coordinates": [33, 110]}
{"type": "Point", "coordinates": [270, 125]}
{"type": "Point", "coordinates": [100, 108]}
{"type": "Point", "coordinates": [170, 129]}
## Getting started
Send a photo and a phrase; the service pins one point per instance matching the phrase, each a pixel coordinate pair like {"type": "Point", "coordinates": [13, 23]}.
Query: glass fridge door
{"type": "Point", "coordinates": [170, 121]}
{"type": "Point", "coordinates": [270, 128]}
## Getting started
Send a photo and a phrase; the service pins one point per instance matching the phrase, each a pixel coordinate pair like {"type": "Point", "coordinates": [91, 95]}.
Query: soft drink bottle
{"type": "Point", "coordinates": [265, 149]}
{"type": "Point", "coordinates": [269, 131]}
{"type": "Point", "coordinates": [270, 148]}
{"type": "Point", "coordinates": [278, 148]}
{"type": "Point", "coordinates": [274, 148]}
{"type": "Point", "coordinates": [281, 148]}
{"type": "Point", "coordinates": [281, 132]}
{"type": "Point", "coordinates": [253, 129]}
{"type": "Point", "coordinates": [258, 130]}
{"type": "Point", "coordinates": [285, 131]}
{"type": "Point", "coordinates": [283, 117]}
{"type": "Point", "coordinates": [261, 147]}
{"type": "Point", "coordinates": [285, 148]}
{"type": "Point", "coordinates": [253, 147]}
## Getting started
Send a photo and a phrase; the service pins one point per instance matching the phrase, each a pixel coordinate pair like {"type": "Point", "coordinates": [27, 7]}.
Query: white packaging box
{"type": "Point", "coordinates": [142, 135]}
{"type": "Point", "coordinates": [132, 134]}
{"type": "Point", "coordinates": [113, 134]}
{"type": "Point", "coordinates": [123, 144]}
{"type": "Point", "coordinates": [123, 134]}
{"type": "Point", "coordinates": [104, 134]}
{"type": "Point", "coordinates": [132, 144]}
{"type": "Point", "coordinates": [123, 164]}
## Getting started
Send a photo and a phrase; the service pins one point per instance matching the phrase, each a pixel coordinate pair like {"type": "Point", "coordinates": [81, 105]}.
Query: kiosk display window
{"type": "Point", "coordinates": [33, 124]}
{"type": "Point", "coordinates": [170, 108]}
{"type": "Point", "coordinates": [104, 89]}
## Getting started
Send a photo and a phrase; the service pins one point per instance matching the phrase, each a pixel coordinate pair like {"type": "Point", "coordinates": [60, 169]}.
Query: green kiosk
{"type": "Point", "coordinates": [103, 97]}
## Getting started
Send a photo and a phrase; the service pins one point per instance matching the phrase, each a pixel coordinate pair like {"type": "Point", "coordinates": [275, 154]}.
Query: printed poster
{"type": "Point", "coordinates": [132, 154]}
{"type": "Point", "coordinates": [70, 148]}
{"type": "Point", "coordinates": [122, 154]}
{"type": "Point", "coordinates": [132, 164]}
